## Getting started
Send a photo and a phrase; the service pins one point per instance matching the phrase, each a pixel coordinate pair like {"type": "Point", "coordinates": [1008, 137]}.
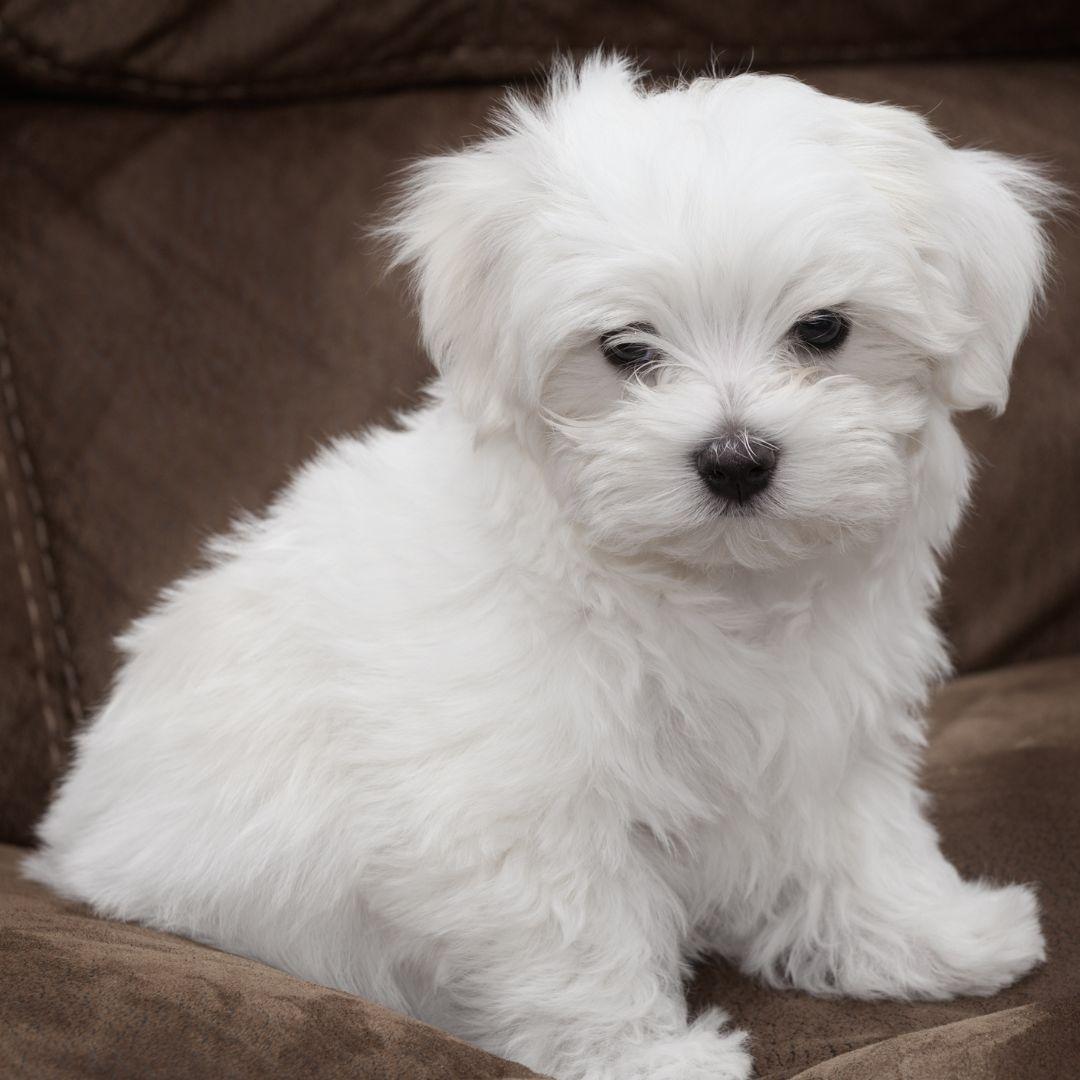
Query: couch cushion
{"type": "Point", "coordinates": [84, 997]}
{"type": "Point", "coordinates": [87, 998]}
{"type": "Point", "coordinates": [189, 51]}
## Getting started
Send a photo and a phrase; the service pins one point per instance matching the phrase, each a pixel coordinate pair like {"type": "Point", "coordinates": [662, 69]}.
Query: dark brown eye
{"type": "Point", "coordinates": [621, 350]}
{"type": "Point", "coordinates": [822, 331]}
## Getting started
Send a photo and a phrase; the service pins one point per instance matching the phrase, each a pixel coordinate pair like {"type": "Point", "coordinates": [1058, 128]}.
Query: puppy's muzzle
{"type": "Point", "coordinates": [737, 467]}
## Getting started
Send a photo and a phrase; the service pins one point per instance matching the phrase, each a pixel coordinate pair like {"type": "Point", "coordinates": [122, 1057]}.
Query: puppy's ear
{"type": "Point", "coordinates": [996, 257]}
{"type": "Point", "coordinates": [451, 226]}
{"type": "Point", "coordinates": [974, 219]}
{"type": "Point", "coordinates": [470, 228]}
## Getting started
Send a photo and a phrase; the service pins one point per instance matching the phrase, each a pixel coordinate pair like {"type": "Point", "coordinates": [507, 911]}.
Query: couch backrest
{"type": "Point", "coordinates": [186, 310]}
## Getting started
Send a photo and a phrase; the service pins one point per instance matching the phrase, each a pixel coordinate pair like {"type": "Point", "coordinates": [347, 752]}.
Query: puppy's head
{"type": "Point", "coordinates": [730, 307]}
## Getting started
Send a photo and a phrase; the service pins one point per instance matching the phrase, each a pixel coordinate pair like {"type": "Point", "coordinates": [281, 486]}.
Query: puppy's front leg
{"type": "Point", "coordinates": [869, 907]}
{"type": "Point", "coordinates": [575, 971]}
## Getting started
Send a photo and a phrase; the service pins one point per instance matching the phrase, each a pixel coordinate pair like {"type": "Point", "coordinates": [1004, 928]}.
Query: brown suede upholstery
{"type": "Point", "coordinates": [187, 308]}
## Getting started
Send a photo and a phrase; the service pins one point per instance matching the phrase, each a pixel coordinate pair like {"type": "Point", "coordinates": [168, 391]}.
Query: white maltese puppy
{"type": "Point", "coordinates": [615, 652]}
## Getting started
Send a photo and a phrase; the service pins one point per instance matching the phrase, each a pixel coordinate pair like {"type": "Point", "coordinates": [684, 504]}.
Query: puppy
{"type": "Point", "coordinates": [615, 652]}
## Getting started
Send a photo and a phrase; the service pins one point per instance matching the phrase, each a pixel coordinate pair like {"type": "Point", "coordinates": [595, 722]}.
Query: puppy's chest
{"type": "Point", "coordinates": [736, 657]}
{"type": "Point", "coordinates": [733, 703]}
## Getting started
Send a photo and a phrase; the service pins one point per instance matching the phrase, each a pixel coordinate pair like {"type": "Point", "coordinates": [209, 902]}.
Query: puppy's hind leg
{"type": "Point", "coordinates": [575, 972]}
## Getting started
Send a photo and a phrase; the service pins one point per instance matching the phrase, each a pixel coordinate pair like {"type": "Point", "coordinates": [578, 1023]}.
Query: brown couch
{"type": "Point", "coordinates": [186, 311]}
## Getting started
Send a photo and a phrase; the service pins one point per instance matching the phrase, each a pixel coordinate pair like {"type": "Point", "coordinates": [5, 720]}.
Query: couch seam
{"type": "Point", "coordinates": [40, 538]}
{"type": "Point", "coordinates": [33, 613]}
{"type": "Point", "coordinates": [34, 55]}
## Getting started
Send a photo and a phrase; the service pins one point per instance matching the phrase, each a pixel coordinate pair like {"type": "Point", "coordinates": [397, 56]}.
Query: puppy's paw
{"type": "Point", "coordinates": [986, 940]}
{"type": "Point", "coordinates": [975, 941]}
{"type": "Point", "coordinates": [700, 1053]}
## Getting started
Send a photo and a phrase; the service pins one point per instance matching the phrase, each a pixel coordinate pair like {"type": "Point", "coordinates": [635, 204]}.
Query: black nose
{"type": "Point", "coordinates": [736, 466]}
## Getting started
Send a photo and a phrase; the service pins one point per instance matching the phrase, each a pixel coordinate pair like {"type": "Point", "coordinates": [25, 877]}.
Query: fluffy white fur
{"type": "Point", "coordinates": [501, 717]}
